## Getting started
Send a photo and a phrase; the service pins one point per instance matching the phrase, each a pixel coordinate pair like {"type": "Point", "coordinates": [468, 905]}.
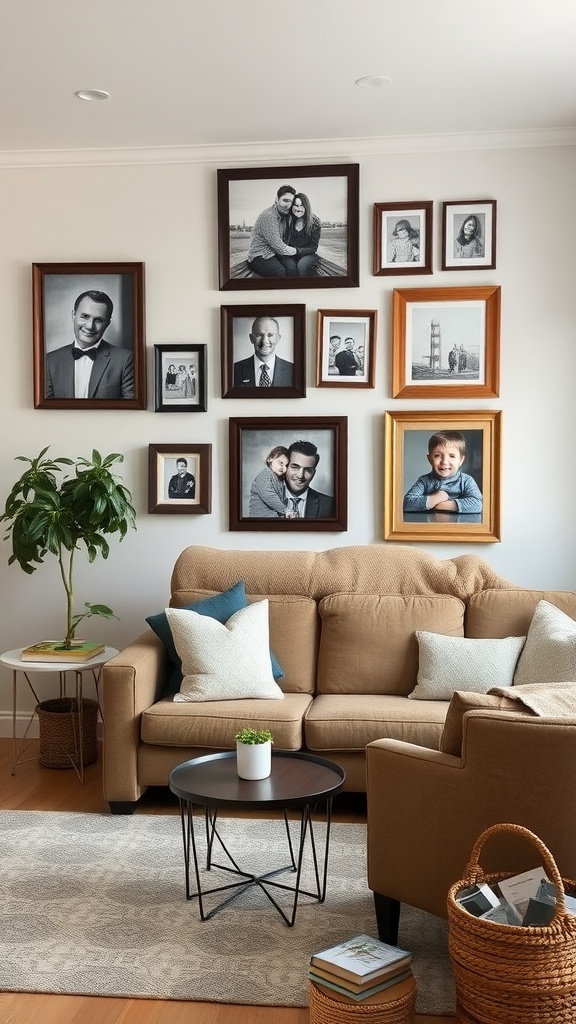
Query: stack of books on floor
{"type": "Point", "coordinates": [361, 967]}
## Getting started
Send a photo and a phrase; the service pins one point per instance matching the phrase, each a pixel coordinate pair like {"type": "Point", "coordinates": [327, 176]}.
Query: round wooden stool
{"type": "Point", "coordinates": [394, 1005]}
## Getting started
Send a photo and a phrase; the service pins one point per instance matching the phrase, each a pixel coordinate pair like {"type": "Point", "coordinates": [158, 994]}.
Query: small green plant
{"type": "Point", "coordinates": [49, 511]}
{"type": "Point", "coordinates": [253, 736]}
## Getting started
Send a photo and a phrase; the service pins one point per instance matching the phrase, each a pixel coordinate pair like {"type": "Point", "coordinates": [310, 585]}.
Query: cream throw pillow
{"type": "Point", "coordinates": [224, 661]}
{"type": "Point", "coordinates": [549, 655]}
{"type": "Point", "coordinates": [450, 663]}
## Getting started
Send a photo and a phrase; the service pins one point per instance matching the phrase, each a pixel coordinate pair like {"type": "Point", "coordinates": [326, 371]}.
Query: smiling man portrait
{"type": "Point", "coordinates": [264, 368]}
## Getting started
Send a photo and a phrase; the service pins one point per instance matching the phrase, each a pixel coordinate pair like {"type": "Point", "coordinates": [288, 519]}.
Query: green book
{"type": "Point", "coordinates": [357, 996]}
{"type": "Point", "coordinates": [54, 650]}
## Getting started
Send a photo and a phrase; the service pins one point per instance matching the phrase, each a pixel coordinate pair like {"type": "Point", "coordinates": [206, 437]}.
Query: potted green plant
{"type": "Point", "coordinates": [53, 511]}
{"type": "Point", "coordinates": [254, 753]}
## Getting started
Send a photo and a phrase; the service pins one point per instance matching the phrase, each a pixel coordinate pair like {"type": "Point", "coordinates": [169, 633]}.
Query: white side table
{"type": "Point", "coordinates": [13, 660]}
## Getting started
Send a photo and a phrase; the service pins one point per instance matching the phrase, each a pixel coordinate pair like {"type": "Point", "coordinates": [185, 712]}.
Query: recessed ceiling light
{"type": "Point", "coordinates": [92, 94]}
{"type": "Point", "coordinates": [372, 81]}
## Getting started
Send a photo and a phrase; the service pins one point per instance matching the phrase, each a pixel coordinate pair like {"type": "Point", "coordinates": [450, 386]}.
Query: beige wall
{"type": "Point", "coordinates": [164, 213]}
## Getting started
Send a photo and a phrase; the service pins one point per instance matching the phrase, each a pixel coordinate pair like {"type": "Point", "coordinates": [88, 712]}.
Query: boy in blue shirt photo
{"type": "Point", "coordinates": [446, 488]}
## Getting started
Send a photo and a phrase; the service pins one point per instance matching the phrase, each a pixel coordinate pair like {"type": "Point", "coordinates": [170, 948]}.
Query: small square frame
{"type": "Point", "coordinates": [406, 436]}
{"type": "Point", "coordinates": [333, 191]}
{"type": "Point", "coordinates": [180, 378]}
{"type": "Point", "coordinates": [250, 442]}
{"type": "Point", "coordinates": [237, 351]}
{"type": "Point", "coordinates": [427, 324]}
{"type": "Point", "coordinates": [56, 287]}
{"type": "Point", "coordinates": [358, 324]}
{"type": "Point", "coordinates": [390, 251]}
{"type": "Point", "coordinates": [162, 459]}
{"type": "Point", "coordinates": [477, 252]}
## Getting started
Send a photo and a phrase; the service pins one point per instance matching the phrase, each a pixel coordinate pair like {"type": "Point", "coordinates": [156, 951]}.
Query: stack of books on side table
{"type": "Point", "coordinates": [361, 967]}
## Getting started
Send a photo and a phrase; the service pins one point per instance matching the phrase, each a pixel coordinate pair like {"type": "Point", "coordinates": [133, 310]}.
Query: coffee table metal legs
{"type": "Point", "coordinates": [264, 881]}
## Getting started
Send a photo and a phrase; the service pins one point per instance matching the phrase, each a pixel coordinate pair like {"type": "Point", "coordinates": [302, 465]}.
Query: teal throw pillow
{"type": "Point", "coordinates": [220, 607]}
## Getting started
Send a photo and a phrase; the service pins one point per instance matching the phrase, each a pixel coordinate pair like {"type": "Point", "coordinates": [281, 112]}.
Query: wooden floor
{"type": "Point", "coordinates": [43, 789]}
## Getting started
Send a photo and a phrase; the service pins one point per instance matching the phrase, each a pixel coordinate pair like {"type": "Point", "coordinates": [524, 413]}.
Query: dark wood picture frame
{"type": "Point", "coordinates": [476, 251]}
{"type": "Point", "coordinates": [406, 437]}
{"type": "Point", "coordinates": [180, 378]}
{"type": "Point", "coordinates": [162, 469]}
{"type": "Point", "coordinates": [237, 351]}
{"type": "Point", "coordinates": [357, 324]}
{"type": "Point", "coordinates": [333, 192]}
{"type": "Point", "coordinates": [251, 440]}
{"type": "Point", "coordinates": [410, 252]}
{"type": "Point", "coordinates": [118, 374]}
{"type": "Point", "coordinates": [436, 366]}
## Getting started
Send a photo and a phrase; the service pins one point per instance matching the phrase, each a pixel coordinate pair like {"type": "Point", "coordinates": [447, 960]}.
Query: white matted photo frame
{"type": "Point", "coordinates": [469, 234]}
{"type": "Point", "coordinates": [346, 348]}
{"type": "Point", "coordinates": [288, 227]}
{"type": "Point", "coordinates": [180, 378]}
{"type": "Point", "coordinates": [289, 474]}
{"type": "Point", "coordinates": [179, 479]}
{"type": "Point", "coordinates": [403, 238]}
{"type": "Point", "coordinates": [264, 339]}
{"type": "Point", "coordinates": [442, 475]}
{"type": "Point", "coordinates": [88, 335]}
{"type": "Point", "coordinates": [446, 342]}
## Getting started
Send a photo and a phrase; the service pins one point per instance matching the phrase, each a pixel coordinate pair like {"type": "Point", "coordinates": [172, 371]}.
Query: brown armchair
{"type": "Point", "coordinates": [426, 809]}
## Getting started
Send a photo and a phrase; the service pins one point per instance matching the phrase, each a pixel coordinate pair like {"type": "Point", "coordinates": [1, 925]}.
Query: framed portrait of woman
{"type": "Point", "coordinates": [469, 235]}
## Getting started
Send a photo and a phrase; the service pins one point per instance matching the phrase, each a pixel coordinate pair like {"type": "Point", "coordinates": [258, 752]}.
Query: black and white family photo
{"type": "Point", "coordinates": [287, 227]}
{"type": "Point", "coordinates": [180, 378]}
{"type": "Point", "coordinates": [346, 348]}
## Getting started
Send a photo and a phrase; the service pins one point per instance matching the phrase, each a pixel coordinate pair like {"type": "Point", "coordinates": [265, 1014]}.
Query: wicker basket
{"type": "Point", "coordinates": [60, 732]}
{"type": "Point", "coordinates": [394, 1005]}
{"type": "Point", "coordinates": [512, 974]}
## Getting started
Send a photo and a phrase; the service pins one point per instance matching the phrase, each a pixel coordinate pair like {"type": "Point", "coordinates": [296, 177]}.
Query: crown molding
{"type": "Point", "coordinates": [271, 153]}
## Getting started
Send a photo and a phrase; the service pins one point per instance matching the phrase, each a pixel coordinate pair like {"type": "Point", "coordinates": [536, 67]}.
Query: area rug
{"type": "Point", "coordinates": [95, 904]}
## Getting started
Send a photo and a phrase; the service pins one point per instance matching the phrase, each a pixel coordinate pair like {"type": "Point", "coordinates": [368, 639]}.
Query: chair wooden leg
{"type": "Point", "coordinates": [387, 918]}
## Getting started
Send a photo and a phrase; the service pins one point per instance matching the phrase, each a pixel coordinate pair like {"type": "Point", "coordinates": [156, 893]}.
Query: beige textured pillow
{"type": "Point", "coordinates": [450, 663]}
{"type": "Point", "coordinates": [549, 655]}
{"type": "Point", "coordinates": [461, 702]}
{"type": "Point", "coordinates": [224, 661]}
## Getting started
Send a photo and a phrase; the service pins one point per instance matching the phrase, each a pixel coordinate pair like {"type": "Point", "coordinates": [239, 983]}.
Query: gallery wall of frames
{"type": "Point", "coordinates": [291, 229]}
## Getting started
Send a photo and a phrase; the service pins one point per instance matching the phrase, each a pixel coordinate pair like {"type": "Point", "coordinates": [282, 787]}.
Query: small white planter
{"type": "Point", "coordinates": [254, 760]}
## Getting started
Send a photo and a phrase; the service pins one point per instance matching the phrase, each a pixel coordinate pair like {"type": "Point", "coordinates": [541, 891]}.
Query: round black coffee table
{"type": "Point", "coordinates": [297, 781]}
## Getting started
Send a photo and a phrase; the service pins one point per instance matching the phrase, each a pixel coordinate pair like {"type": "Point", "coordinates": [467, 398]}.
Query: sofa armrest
{"type": "Point", "coordinates": [426, 809]}
{"type": "Point", "coordinates": [131, 682]}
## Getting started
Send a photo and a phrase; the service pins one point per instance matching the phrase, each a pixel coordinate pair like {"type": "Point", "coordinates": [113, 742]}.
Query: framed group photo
{"type": "Point", "coordinates": [402, 238]}
{"type": "Point", "coordinates": [180, 478]}
{"type": "Point", "coordinates": [469, 235]}
{"type": "Point", "coordinates": [288, 227]}
{"type": "Point", "coordinates": [446, 342]}
{"type": "Point", "coordinates": [263, 351]}
{"type": "Point", "coordinates": [88, 336]}
{"type": "Point", "coordinates": [442, 475]}
{"type": "Point", "coordinates": [180, 378]}
{"type": "Point", "coordinates": [346, 348]}
{"type": "Point", "coordinates": [289, 474]}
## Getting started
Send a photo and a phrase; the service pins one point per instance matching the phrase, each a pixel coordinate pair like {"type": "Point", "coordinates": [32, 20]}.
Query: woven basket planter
{"type": "Point", "coordinates": [382, 1008]}
{"type": "Point", "coordinates": [60, 732]}
{"type": "Point", "coordinates": [512, 974]}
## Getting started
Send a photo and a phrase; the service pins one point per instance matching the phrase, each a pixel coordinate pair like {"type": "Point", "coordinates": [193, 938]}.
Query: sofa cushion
{"type": "Point", "coordinates": [368, 643]}
{"type": "Point", "coordinates": [499, 613]}
{"type": "Point", "coordinates": [461, 702]}
{"type": "Point", "coordinates": [213, 724]}
{"type": "Point", "coordinates": [449, 663]}
{"type": "Point", "coordinates": [289, 616]}
{"type": "Point", "coordinates": [224, 661]}
{"type": "Point", "coordinates": [218, 606]}
{"type": "Point", "coordinates": [350, 721]}
{"type": "Point", "coordinates": [549, 655]}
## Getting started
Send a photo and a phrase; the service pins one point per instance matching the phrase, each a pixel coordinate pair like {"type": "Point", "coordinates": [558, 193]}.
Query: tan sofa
{"type": "Point", "coordinates": [342, 625]}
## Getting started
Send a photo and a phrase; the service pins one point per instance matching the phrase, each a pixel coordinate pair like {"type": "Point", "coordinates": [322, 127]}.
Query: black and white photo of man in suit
{"type": "Point", "coordinates": [264, 368]}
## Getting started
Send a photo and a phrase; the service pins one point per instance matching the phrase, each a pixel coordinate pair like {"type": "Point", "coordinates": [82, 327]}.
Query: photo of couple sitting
{"type": "Point", "coordinates": [282, 488]}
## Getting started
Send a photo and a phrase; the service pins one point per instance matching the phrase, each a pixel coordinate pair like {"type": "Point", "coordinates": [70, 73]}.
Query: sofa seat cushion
{"type": "Point", "coordinates": [350, 721]}
{"type": "Point", "coordinates": [213, 724]}
{"type": "Point", "coordinates": [368, 642]}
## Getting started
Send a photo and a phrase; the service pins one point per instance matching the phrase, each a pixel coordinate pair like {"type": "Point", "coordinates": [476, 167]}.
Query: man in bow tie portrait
{"type": "Point", "coordinates": [90, 367]}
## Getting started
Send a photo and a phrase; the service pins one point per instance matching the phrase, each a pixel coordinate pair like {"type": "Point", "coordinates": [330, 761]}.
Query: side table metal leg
{"type": "Point", "coordinates": [14, 702]}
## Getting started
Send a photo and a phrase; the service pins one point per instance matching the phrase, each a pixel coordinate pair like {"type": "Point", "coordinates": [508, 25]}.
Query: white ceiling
{"type": "Point", "coordinates": [219, 72]}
